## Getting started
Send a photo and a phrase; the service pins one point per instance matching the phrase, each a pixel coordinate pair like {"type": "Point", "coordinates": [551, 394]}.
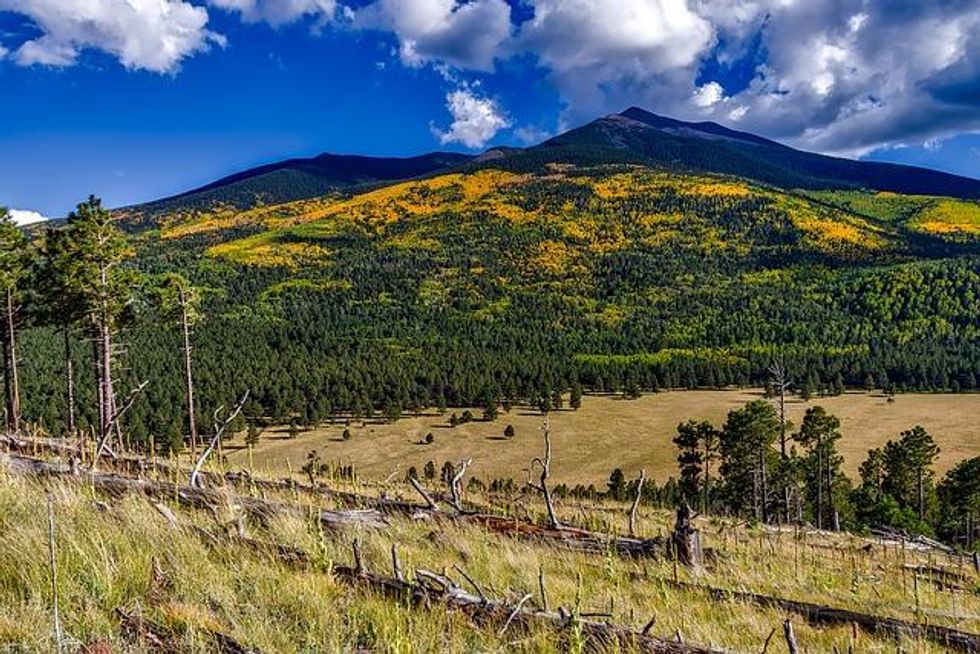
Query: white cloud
{"type": "Point", "coordinates": [3, 52]}
{"type": "Point", "coordinates": [855, 75]}
{"type": "Point", "coordinates": [708, 95]}
{"type": "Point", "coordinates": [476, 120]}
{"type": "Point", "coordinates": [24, 217]}
{"type": "Point", "coordinates": [463, 34]}
{"type": "Point", "coordinates": [737, 113]}
{"type": "Point", "coordinates": [278, 12]}
{"type": "Point", "coordinates": [531, 135]}
{"type": "Point", "coordinates": [154, 35]}
{"type": "Point", "coordinates": [603, 53]}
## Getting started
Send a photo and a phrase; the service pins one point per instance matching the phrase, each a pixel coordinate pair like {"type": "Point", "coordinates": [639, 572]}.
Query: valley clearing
{"type": "Point", "coordinates": [607, 432]}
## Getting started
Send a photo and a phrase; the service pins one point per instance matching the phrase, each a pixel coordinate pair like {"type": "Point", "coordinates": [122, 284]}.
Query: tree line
{"type": "Point", "coordinates": [740, 469]}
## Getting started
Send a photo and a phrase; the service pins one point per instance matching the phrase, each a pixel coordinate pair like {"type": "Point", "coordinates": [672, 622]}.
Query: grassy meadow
{"type": "Point", "coordinates": [605, 433]}
{"type": "Point", "coordinates": [122, 553]}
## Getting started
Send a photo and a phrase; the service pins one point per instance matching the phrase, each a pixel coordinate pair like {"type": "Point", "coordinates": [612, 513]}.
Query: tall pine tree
{"type": "Point", "coordinates": [14, 262]}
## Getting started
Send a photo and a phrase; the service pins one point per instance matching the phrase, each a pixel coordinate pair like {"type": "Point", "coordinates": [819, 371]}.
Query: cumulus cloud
{"type": "Point", "coordinates": [708, 95]}
{"type": "Point", "coordinates": [25, 217]}
{"type": "Point", "coordinates": [153, 35]}
{"type": "Point", "coordinates": [278, 12]}
{"type": "Point", "coordinates": [463, 34]}
{"type": "Point", "coordinates": [854, 75]}
{"type": "Point", "coordinates": [476, 119]}
{"type": "Point", "coordinates": [604, 52]}
{"type": "Point", "coordinates": [843, 76]}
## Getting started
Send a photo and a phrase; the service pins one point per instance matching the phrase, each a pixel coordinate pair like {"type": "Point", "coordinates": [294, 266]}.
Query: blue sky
{"type": "Point", "coordinates": [134, 100]}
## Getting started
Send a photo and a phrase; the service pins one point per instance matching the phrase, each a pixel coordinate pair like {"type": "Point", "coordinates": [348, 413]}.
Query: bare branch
{"type": "Point", "coordinates": [510, 618]}
{"type": "Point", "coordinates": [103, 445]}
{"type": "Point", "coordinates": [219, 430]}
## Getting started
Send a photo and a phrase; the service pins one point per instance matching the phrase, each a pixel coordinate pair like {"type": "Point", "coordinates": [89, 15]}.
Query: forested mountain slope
{"type": "Point", "coordinates": [295, 179]}
{"type": "Point", "coordinates": [470, 288]}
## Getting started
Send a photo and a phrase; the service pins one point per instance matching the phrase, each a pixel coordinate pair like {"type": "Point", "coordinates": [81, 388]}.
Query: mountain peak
{"type": "Point", "coordinates": [706, 128]}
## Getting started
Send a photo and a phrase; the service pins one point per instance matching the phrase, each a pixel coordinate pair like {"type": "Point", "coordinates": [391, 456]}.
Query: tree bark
{"type": "Point", "coordinates": [922, 495]}
{"type": "Point", "coordinates": [105, 383]}
{"type": "Point", "coordinates": [188, 373]}
{"type": "Point", "coordinates": [687, 539]}
{"type": "Point", "coordinates": [819, 485]}
{"type": "Point", "coordinates": [765, 488]}
{"type": "Point", "coordinates": [69, 383]}
{"type": "Point", "coordinates": [11, 384]}
{"type": "Point", "coordinates": [831, 506]}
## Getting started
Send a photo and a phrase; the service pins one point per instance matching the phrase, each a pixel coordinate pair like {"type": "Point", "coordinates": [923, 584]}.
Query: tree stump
{"type": "Point", "coordinates": [687, 539]}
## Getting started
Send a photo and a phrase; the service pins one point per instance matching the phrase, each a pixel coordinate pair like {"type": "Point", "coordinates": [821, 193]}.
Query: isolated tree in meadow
{"type": "Point", "coordinates": [819, 433]}
{"type": "Point", "coordinates": [575, 397]}
{"type": "Point", "coordinates": [698, 443]}
{"type": "Point", "coordinates": [746, 446]}
{"type": "Point", "coordinates": [179, 302]}
{"type": "Point", "coordinates": [96, 251]}
{"type": "Point", "coordinates": [14, 262]}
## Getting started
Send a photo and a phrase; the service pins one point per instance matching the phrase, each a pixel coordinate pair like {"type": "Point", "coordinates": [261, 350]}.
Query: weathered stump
{"type": "Point", "coordinates": [687, 539]}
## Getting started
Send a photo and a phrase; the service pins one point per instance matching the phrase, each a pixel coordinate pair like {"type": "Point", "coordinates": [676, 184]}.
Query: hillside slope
{"type": "Point", "coordinates": [254, 571]}
{"type": "Point", "coordinates": [638, 136]}
{"type": "Point", "coordinates": [634, 136]}
{"type": "Point", "coordinates": [295, 179]}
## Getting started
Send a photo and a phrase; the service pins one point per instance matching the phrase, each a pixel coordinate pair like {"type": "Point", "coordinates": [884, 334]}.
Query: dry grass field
{"type": "Point", "coordinates": [607, 432]}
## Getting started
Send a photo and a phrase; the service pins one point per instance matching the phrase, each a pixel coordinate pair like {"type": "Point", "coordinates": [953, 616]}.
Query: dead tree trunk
{"type": "Point", "coordinates": [105, 382]}
{"type": "Point", "coordinates": [687, 539]}
{"type": "Point", "coordinates": [545, 465]}
{"type": "Point", "coordinates": [11, 383]}
{"type": "Point", "coordinates": [636, 502]}
{"type": "Point", "coordinates": [781, 384]}
{"type": "Point", "coordinates": [69, 383]}
{"type": "Point", "coordinates": [456, 484]}
{"type": "Point", "coordinates": [188, 370]}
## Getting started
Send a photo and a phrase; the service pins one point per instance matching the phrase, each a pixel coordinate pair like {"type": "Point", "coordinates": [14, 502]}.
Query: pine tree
{"type": "Point", "coordinates": [698, 443]}
{"type": "Point", "coordinates": [959, 496]}
{"type": "Point", "coordinates": [95, 275]}
{"type": "Point", "coordinates": [14, 261]}
{"type": "Point", "coordinates": [819, 433]}
{"type": "Point", "coordinates": [61, 305]}
{"type": "Point", "coordinates": [917, 450]}
{"type": "Point", "coordinates": [179, 302]}
{"type": "Point", "coordinates": [746, 447]}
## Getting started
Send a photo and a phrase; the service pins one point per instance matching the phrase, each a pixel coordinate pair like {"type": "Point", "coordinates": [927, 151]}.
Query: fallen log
{"type": "Point", "coordinates": [819, 614]}
{"type": "Point", "coordinates": [260, 509]}
{"type": "Point", "coordinates": [573, 538]}
{"type": "Point", "coordinates": [158, 638]}
{"type": "Point", "coordinates": [564, 536]}
{"type": "Point", "coordinates": [431, 588]}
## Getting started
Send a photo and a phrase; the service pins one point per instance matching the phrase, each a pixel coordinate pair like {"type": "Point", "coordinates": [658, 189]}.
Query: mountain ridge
{"type": "Point", "coordinates": [633, 136]}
